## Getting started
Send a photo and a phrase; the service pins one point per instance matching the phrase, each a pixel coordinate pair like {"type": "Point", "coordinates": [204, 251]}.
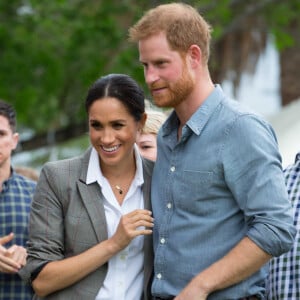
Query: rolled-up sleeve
{"type": "Point", "coordinates": [46, 230]}
{"type": "Point", "coordinates": [253, 172]}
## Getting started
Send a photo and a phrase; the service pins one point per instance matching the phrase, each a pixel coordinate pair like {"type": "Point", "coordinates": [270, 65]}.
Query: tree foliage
{"type": "Point", "coordinates": [51, 51]}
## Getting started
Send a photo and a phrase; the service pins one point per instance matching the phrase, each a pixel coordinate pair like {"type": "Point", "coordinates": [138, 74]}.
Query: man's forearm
{"type": "Point", "coordinates": [241, 262]}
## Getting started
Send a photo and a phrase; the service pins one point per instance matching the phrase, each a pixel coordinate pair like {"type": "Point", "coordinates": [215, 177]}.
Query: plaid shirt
{"type": "Point", "coordinates": [15, 201]}
{"type": "Point", "coordinates": [284, 278]}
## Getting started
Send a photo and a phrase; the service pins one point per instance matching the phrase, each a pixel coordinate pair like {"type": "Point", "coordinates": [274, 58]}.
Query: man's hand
{"type": "Point", "coordinates": [13, 258]}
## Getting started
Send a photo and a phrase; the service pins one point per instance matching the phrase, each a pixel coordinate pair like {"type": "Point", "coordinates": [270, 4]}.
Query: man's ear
{"type": "Point", "coordinates": [195, 55]}
{"type": "Point", "coordinates": [15, 140]}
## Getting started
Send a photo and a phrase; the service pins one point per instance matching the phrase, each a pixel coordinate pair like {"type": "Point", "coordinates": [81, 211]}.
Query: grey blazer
{"type": "Point", "coordinates": [67, 217]}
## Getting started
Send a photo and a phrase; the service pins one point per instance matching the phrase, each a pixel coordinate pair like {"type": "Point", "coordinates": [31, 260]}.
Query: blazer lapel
{"type": "Point", "coordinates": [92, 199]}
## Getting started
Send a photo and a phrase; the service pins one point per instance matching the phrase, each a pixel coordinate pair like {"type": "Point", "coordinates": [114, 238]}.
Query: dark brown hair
{"type": "Point", "coordinates": [7, 111]}
{"type": "Point", "coordinates": [121, 87]}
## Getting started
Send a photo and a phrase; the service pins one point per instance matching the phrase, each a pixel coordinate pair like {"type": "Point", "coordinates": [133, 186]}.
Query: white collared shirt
{"type": "Point", "coordinates": [124, 278]}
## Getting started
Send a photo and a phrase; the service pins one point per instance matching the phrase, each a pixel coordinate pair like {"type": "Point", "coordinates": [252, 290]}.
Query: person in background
{"type": "Point", "coordinates": [146, 139]}
{"type": "Point", "coordinates": [16, 193]}
{"type": "Point", "coordinates": [218, 196]}
{"type": "Point", "coordinates": [90, 232]}
{"type": "Point", "coordinates": [283, 282]}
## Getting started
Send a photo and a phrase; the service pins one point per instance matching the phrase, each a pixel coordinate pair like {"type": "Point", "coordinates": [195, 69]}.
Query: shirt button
{"type": "Point", "coordinates": [172, 169]}
{"type": "Point", "coordinates": [162, 240]}
{"type": "Point", "coordinates": [169, 205]}
{"type": "Point", "coordinates": [158, 276]}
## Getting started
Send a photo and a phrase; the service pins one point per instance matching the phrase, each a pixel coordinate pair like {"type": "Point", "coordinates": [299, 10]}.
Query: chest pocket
{"type": "Point", "coordinates": [193, 188]}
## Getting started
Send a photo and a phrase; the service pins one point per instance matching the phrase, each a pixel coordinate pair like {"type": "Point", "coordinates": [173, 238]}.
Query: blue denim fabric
{"type": "Point", "coordinates": [221, 182]}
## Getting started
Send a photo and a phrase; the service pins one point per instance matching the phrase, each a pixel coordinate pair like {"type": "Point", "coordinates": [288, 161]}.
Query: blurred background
{"type": "Point", "coordinates": [52, 51]}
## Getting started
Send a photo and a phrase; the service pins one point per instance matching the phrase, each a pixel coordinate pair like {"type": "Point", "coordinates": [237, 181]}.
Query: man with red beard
{"type": "Point", "coordinates": [219, 200]}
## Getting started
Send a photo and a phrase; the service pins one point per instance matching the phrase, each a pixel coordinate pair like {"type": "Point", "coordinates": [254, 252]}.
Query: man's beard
{"type": "Point", "coordinates": [176, 92]}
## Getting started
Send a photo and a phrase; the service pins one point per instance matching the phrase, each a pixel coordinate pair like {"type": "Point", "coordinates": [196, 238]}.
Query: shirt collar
{"type": "Point", "coordinates": [198, 120]}
{"type": "Point", "coordinates": [94, 173]}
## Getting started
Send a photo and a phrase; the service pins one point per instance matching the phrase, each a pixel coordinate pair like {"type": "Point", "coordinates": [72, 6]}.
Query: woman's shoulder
{"type": "Point", "coordinates": [72, 164]}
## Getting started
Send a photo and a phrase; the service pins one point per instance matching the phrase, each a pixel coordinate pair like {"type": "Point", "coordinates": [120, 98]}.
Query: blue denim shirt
{"type": "Point", "coordinates": [220, 182]}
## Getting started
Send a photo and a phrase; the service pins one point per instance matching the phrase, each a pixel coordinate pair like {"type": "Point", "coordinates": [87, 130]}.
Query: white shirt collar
{"type": "Point", "coordinates": [94, 173]}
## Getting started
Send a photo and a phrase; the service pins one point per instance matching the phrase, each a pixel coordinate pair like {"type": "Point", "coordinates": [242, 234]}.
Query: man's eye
{"type": "Point", "coordinates": [160, 63]}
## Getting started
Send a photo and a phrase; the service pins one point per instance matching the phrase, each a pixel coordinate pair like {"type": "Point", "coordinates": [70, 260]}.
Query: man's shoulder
{"type": "Point", "coordinates": [74, 167]}
{"type": "Point", "coordinates": [24, 183]}
{"type": "Point", "coordinates": [69, 163]}
{"type": "Point", "coordinates": [238, 108]}
{"type": "Point", "coordinates": [233, 113]}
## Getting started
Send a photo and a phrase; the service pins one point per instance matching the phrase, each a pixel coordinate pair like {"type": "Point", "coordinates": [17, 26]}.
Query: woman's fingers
{"type": "Point", "coordinates": [137, 221]}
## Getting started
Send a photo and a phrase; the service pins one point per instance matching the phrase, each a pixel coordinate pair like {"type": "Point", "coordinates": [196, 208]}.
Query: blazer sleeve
{"type": "Point", "coordinates": [46, 228]}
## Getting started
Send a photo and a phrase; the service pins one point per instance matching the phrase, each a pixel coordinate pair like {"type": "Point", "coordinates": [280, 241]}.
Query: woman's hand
{"type": "Point", "coordinates": [135, 223]}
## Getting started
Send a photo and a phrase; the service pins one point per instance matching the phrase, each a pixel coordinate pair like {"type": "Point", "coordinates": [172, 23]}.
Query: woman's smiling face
{"type": "Point", "coordinates": [113, 130]}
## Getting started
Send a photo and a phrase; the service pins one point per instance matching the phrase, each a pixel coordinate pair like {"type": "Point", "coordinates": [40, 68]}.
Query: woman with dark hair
{"type": "Point", "coordinates": [90, 223]}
